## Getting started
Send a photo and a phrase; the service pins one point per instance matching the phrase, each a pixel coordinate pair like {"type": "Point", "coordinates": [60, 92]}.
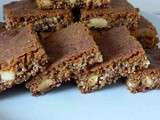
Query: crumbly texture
{"type": "Point", "coordinates": [21, 13]}
{"type": "Point", "coordinates": [119, 13]}
{"type": "Point", "coordinates": [70, 51]}
{"type": "Point", "coordinates": [65, 4]}
{"type": "Point", "coordinates": [146, 33]}
{"type": "Point", "coordinates": [149, 78]}
{"type": "Point", "coordinates": [2, 27]}
{"type": "Point", "coordinates": [21, 56]}
{"type": "Point", "coordinates": [122, 55]}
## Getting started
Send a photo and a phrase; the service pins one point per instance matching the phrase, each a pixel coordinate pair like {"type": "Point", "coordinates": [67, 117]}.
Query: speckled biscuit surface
{"type": "Point", "coordinates": [70, 50]}
{"type": "Point", "coordinates": [65, 4]}
{"type": "Point", "coordinates": [21, 56]}
{"type": "Point", "coordinates": [119, 13]}
{"type": "Point", "coordinates": [149, 78]}
{"type": "Point", "coordinates": [21, 13]}
{"type": "Point", "coordinates": [122, 55]}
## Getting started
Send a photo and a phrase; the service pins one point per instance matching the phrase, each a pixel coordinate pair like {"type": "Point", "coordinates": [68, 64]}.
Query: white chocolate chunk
{"type": "Point", "coordinates": [97, 23]}
{"type": "Point", "coordinates": [7, 75]}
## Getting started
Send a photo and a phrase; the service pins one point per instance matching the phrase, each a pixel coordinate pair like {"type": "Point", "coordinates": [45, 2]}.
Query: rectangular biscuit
{"type": "Point", "coordinates": [70, 51]}
{"type": "Point", "coordinates": [146, 79]}
{"type": "Point", "coordinates": [145, 33]}
{"type": "Point", "coordinates": [122, 55]}
{"type": "Point", "coordinates": [21, 13]}
{"type": "Point", "coordinates": [21, 56]}
{"type": "Point", "coordinates": [119, 13]}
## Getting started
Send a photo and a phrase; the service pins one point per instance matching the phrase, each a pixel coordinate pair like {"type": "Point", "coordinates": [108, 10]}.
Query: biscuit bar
{"type": "Point", "coordinates": [122, 55]}
{"type": "Point", "coordinates": [146, 33]}
{"type": "Point", "coordinates": [119, 13]}
{"type": "Point", "coordinates": [21, 56]}
{"type": "Point", "coordinates": [70, 51]}
{"type": "Point", "coordinates": [146, 79]}
{"type": "Point", "coordinates": [21, 13]}
{"type": "Point", "coordinates": [65, 4]}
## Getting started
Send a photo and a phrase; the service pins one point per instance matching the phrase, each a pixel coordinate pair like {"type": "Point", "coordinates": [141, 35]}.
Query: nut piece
{"type": "Point", "coordinates": [44, 85]}
{"type": "Point", "coordinates": [7, 75]}
{"type": "Point", "coordinates": [73, 1]}
{"type": "Point", "coordinates": [92, 80]}
{"type": "Point", "coordinates": [147, 81]}
{"type": "Point", "coordinates": [99, 57]}
{"type": "Point", "coordinates": [45, 3]}
{"type": "Point", "coordinates": [105, 76]}
{"type": "Point", "coordinates": [146, 62]}
{"type": "Point", "coordinates": [97, 23]}
{"type": "Point", "coordinates": [131, 85]}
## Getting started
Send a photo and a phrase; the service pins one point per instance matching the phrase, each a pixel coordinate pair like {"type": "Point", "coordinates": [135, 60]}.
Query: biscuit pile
{"type": "Point", "coordinates": [93, 43]}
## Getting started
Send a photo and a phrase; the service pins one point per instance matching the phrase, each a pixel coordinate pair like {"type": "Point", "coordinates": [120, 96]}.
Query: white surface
{"type": "Point", "coordinates": [67, 103]}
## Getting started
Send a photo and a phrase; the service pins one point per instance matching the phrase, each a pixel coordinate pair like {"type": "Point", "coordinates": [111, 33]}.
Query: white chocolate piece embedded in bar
{"type": "Point", "coordinates": [7, 75]}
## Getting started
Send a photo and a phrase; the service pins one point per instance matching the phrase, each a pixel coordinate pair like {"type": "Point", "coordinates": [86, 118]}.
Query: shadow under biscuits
{"type": "Point", "coordinates": [13, 92]}
{"type": "Point", "coordinates": [21, 90]}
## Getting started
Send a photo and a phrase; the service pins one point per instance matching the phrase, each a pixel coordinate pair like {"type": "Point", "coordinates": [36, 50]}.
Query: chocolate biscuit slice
{"type": "Point", "coordinates": [122, 55]}
{"type": "Point", "coordinates": [149, 78]}
{"type": "Point", "coordinates": [65, 4]}
{"type": "Point", "coordinates": [21, 13]}
{"type": "Point", "coordinates": [21, 56]}
{"type": "Point", "coordinates": [146, 33]}
{"type": "Point", "coordinates": [119, 13]}
{"type": "Point", "coordinates": [70, 51]}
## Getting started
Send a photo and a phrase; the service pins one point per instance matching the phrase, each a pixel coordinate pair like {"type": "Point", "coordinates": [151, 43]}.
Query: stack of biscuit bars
{"type": "Point", "coordinates": [93, 43]}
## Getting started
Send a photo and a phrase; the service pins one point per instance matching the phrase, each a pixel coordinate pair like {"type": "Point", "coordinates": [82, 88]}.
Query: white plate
{"type": "Point", "coordinates": [67, 103]}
